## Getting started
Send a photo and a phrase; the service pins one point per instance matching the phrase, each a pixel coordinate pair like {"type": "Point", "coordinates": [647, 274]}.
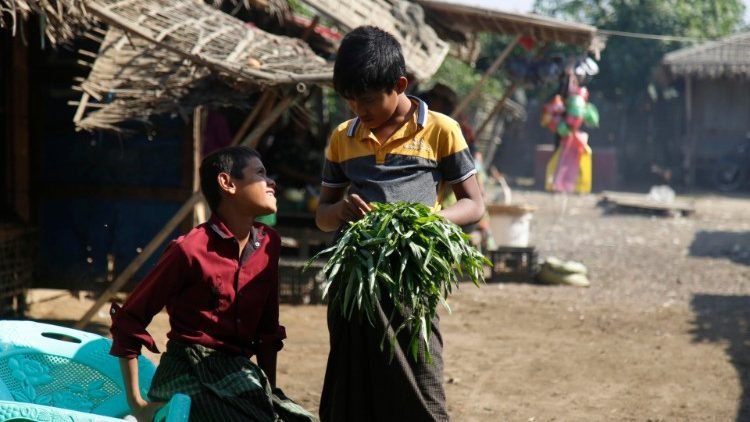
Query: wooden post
{"type": "Point", "coordinates": [489, 151]}
{"type": "Point", "coordinates": [19, 128]}
{"type": "Point", "coordinates": [254, 136]}
{"type": "Point", "coordinates": [199, 127]}
{"type": "Point", "coordinates": [495, 110]}
{"type": "Point", "coordinates": [478, 86]}
{"type": "Point", "coordinates": [139, 260]}
{"type": "Point", "coordinates": [310, 28]}
{"type": "Point", "coordinates": [250, 119]}
{"type": "Point", "coordinates": [690, 138]}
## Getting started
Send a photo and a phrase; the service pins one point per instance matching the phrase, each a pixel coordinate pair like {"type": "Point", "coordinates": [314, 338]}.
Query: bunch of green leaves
{"type": "Point", "coordinates": [408, 253]}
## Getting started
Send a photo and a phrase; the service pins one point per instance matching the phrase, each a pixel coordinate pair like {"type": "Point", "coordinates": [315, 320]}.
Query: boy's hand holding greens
{"type": "Point", "coordinates": [407, 253]}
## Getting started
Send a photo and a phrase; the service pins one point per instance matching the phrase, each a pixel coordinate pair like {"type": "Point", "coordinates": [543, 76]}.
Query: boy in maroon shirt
{"type": "Point", "coordinates": [219, 283]}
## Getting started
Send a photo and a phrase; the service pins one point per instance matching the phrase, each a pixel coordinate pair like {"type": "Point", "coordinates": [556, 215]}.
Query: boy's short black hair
{"type": "Point", "coordinates": [231, 160]}
{"type": "Point", "coordinates": [368, 59]}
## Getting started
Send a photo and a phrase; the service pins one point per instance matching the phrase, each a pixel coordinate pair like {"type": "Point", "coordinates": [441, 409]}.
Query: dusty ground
{"type": "Point", "coordinates": [661, 334]}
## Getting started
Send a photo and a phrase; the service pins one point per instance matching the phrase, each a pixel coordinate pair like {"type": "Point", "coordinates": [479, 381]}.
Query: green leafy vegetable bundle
{"type": "Point", "coordinates": [407, 253]}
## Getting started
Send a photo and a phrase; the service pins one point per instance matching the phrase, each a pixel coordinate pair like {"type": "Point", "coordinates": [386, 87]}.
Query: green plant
{"type": "Point", "coordinates": [407, 253]}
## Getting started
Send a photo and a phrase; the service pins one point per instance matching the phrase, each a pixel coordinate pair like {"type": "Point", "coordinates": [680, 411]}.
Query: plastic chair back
{"type": "Point", "coordinates": [48, 365]}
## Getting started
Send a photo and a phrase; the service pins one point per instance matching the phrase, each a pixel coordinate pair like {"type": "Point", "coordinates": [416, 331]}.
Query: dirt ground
{"type": "Point", "coordinates": [661, 334]}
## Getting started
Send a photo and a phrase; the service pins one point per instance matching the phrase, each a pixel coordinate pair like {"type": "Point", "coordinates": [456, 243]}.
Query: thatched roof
{"type": "Point", "coordinates": [195, 31]}
{"type": "Point", "coordinates": [131, 80]}
{"type": "Point", "coordinates": [728, 57]}
{"type": "Point", "coordinates": [164, 56]}
{"type": "Point", "coordinates": [423, 50]}
{"type": "Point", "coordinates": [63, 20]}
{"type": "Point", "coordinates": [454, 21]}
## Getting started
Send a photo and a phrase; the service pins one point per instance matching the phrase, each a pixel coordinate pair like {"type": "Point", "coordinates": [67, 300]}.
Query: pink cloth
{"type": "Point", "coordinates": [569, 163]}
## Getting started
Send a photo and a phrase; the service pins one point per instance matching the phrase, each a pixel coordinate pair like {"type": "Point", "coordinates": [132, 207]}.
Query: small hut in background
{"type": "Point", "coordinates": [716, 77]}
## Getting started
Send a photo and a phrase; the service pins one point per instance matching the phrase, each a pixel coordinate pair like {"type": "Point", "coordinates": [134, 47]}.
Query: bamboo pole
{"type": "Point", "coordinates": [254, 136]}
{"type": "Point", "coordinates": [250, 119]}
{"type": "Point", "coordinates": [199, 128]}
{"type": "Point", "coordinates": [478, 86]}
{"type": "Point", "coordinates": [490, 117]}
{"type": "Point", "coordinates": [691, 139]}
{"type": "Point", "coordinates": [139, 260]}
{"type": "Point", "coordinates": [496, 109]}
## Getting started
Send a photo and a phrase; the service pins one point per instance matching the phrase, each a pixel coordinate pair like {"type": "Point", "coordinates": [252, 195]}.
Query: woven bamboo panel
{"type": "Point", "coordinates": [131, 80]}
{"type": "Point", "coordinates": [180, 55]}
{"type": "Point", "coordinates": [63, 20]}
{"type": "Point", "coordinates": [221, 42]}
{"type": "Point", "coordinates": [423, 50]}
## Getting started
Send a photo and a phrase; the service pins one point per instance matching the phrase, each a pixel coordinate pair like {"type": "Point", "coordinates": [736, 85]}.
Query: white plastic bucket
{"type": "Point", "coordinates": [510, 224]}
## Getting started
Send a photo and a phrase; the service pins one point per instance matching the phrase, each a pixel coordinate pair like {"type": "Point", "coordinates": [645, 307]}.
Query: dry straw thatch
{"type": "Point", "coordinates": [131, 79]}
{"type": "Point", "coordinates": [728, 57]}
{"type": "Point", "coordinates": [169, 56]}
{"type": "Point", "coordinates": [423, 50]}
{"type": "Point", "coordinates": [209, 37]}
{"type": "Point", "coordinates": [62, 20]}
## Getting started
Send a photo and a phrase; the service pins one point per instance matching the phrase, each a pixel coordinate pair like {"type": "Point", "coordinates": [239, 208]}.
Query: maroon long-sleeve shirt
{"type": "Point", "coordinates": [213, 296]}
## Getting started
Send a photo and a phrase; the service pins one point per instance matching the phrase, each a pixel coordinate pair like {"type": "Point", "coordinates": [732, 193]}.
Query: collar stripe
{"type": "Point", "coordinates": [353, 127]}
{"type": "Point", "coordinates": [421, 112]}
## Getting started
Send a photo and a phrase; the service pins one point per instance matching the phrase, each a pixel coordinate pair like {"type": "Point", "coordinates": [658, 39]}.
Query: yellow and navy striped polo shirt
{"type": "Point", "coordinates": [409, 166]}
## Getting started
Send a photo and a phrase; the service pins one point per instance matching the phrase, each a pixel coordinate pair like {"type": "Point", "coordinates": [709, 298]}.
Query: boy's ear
{"type": "Point", "coordinates": [226, 184]}
{"type": "Point", "coordinates": [401, 84]}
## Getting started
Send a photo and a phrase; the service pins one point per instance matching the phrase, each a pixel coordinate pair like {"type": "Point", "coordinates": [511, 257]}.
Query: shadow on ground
{"type": "Point", "coordinates": [734, 246]}
{"type": "Point", "coordinates": [726, 319]}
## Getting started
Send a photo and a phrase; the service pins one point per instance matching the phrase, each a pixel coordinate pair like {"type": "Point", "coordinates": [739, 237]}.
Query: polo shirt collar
{"type": "Point", "coordinates": [421, 116]}
{"type": "Point", "coordinates": [221, 229]}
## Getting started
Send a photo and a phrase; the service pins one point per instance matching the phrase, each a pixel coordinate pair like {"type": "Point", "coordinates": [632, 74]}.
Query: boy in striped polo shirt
{"type": "Point", "coordinates": [395, 149]}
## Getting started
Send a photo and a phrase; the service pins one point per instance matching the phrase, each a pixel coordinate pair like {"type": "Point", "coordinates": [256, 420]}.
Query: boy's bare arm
{"type": "Point", "coordinates": [142, 410]}
{"type": "Point", "coordinates": [469, 207]}
{"type": "Point", "coordinates": [334, 209]}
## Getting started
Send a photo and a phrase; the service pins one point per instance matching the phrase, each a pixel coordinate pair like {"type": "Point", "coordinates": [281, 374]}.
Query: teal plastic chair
{"type": "Point", "coordinates": [51, 373]}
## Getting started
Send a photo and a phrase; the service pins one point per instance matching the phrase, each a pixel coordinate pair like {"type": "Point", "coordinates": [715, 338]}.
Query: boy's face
{"type": "Point", "coordinates": [255, 193]}
{"type": "Point", "coordinates": [375, 107]}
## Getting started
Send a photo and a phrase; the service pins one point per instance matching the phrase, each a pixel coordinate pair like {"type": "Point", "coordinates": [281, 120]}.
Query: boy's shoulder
{"type": "Point", "coordinates": [441, 120]}
{"type": "Point", "coordinates": [343, 128]}
{"type": "Point", "coordinates": [197, 237]}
